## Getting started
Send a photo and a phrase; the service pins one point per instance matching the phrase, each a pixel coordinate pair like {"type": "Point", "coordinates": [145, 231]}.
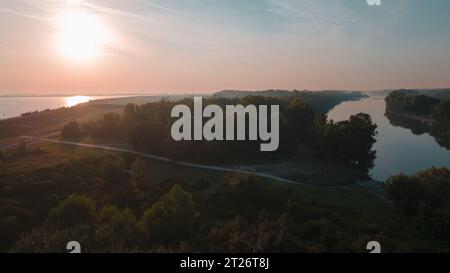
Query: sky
{"type": "Point", "coordinates": [184, 46]}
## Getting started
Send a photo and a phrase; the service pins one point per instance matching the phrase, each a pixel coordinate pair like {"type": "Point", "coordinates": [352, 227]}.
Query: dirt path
{"type": "Point", "coordinates": [164, 159]}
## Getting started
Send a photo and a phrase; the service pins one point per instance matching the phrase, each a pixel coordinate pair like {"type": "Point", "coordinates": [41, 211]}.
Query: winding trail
{"type": "Point", "coordinates": [165, 159]}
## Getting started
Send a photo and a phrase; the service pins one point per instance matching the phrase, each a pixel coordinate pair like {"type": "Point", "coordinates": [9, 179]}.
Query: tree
{"type": "Point", "coordinates": [299, 117]}
{"type": "Point", "coordinates": [71, 130]}
{"type": "Point", "coordinates": [129, 113]}
{"type": "Point", "coordinates": [139, 173]}
{"type": "Point", "coordinates": [348, 141]}
{"type": "Point", "coordinates": [410, 102]}
{"type": "Point", "coordinates": [116, 229]}
{"type": "Point", "coordinates": [149, 137]}
{"type": "Point", "coordinates": [362, 132]}
{"type": "Point", "coordinates": [75, 210]}
{"type": "Point", "coordinates": [114, 172]}
{"type": "Point", "coordinates": [406, 192]}
{"type": "Point", "coordinates": [441, 112]}
{"type": "Point", "coordinates": [425, 197]}
{"type": "Point", "coordinates": [172, 218]}
{"type": "Point", "coordinates": [110, 126]}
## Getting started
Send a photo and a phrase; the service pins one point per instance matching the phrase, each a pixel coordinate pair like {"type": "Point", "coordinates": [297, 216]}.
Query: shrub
{"type": "Point", "coordinates": [172, 218]}
{"type": "Point", "coordinates": [75, 210]}
{"type": "Point", "coordinates": [71, 130]}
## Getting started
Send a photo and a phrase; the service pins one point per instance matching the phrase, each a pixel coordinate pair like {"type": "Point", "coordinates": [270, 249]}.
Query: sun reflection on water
{"type": "Point", "coordinates": [74, 100]}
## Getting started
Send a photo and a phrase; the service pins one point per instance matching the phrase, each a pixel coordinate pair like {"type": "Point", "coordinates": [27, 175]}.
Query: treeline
{"type": "Point", "coordinates": [408, 102]}
{"type": "Point", "coordinates": [430, 107]}
{"type": "Point", "coordinates": [322, 101]}
{"type": "Point", "coordinates": [147, 129]}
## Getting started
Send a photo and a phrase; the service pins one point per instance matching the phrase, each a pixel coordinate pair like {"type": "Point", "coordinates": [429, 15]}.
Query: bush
{"type": "Point", "coordinates": [425, 197]}
{"type": "Point", "coordinates": [116, 229]}
{"type": "Point", "coordinates": [71, 130]}
{"type": "Point", "coordinates": [110, 126]}
{"type": "Point", "coordinates": [172, 218]}
{"type": "Point", "coordinates": [75, 210]}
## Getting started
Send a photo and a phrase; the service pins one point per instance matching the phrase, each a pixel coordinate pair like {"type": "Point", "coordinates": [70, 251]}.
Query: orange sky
{"type": "Point", "coordinates": [92, 47]}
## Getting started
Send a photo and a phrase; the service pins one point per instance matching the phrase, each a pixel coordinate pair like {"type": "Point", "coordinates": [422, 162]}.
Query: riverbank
{"type": "Point", "coordinates": [426, 120]}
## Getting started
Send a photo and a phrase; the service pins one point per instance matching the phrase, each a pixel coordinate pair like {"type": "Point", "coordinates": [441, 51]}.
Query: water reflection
{"type": "Point", "coordinates": [417, 127]}
{"type": "Point", "coordinates": [402, 145]}
{"type": "Point", "coordinates": [74, 100]}
{"type": "Point", "coordinates": [439, 131]}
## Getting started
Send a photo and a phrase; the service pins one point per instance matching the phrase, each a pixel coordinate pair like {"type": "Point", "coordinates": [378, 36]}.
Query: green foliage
{"type": "Point", "coordinates": [150, 137]}
{"type": "Point", "coordinates": [172, 218]}
{"type": "Point", "coordinates": [113, 171]}
{"type": "Point", "coordinates": [410, 102]}
{"type": "Point", "coordinates": [116, 228]}
{"type": "Point", "coordinates": [110, 126]}
{"type": "Point", "coordinates": [75, 210]}
{"type": "Point", "coordinates": [441, 112]}
{"type": "Point", "coordinates": [424, 196]}
{"type": "Point", "coordinates": [139, 173]}
{"type": "Point", "coordinates": [299, 118]}
{"type": "Point", "coordinates": [48, 238]}
{"type": "Point", "coordinates": [437, 108]}
{"type": "Point", "coordinates": [349, 142]}
{"type": "Point", "coordinates": [13, 221]}
{"type": "Point", "coordinates": [71, 130]}
{"type": "Point", "coordinates": [242, 213]}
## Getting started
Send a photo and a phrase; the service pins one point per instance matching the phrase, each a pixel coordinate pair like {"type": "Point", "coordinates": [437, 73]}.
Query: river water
{"type": "Point", "coordinates": [15, 106]}
{"type": "Point", "coordinates": [398, 149]}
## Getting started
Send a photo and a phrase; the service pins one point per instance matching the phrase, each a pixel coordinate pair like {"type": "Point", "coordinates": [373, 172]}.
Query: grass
{"type": "Point", "coordinates": [49, 121]}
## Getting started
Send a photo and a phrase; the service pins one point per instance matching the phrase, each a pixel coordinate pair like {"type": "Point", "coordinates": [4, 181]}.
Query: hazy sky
{"type": "Point", "coordinates": [116, 46]}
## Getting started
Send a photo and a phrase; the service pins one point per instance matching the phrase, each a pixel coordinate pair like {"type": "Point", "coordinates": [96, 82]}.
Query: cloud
{"type": "Point", "coordinates": [313, 16]}
{"type": "Point", "coordinates": [107, 10]}
{"type": "Point", "coordinates": [165, 8]}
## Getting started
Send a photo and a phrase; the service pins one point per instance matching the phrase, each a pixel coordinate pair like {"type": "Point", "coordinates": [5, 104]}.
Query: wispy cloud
{"type": "Point", "coordinates": [165, 8]}
{"type": "Point", "coordinates": [26, 15]}
{"type": "Point", "coordinates": [108, 10]}
{"type": "Point", "coordinates": [314, 16]}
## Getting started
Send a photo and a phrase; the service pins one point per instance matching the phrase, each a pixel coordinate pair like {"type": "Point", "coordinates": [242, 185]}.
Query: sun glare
{"type": "Point", "coordinates": [81, 35]}
{"type": "Point", "coordinates": [75, 100]}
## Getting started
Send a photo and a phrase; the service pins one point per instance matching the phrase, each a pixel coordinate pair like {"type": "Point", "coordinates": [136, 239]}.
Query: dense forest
{"type": "Point", "coordinates": [421, 104]}
{"type": "Point", "coordinates": [321, 101]}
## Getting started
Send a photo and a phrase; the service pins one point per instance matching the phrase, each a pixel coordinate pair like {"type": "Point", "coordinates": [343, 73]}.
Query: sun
{"type": "Point", "coordinates": [81, 35]}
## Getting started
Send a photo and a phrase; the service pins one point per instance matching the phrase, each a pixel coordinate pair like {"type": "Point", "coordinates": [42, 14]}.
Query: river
{"type": "Point", "coordinates": [398, 149]}
{"type": "Point", "coordinates": [15, 106]}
